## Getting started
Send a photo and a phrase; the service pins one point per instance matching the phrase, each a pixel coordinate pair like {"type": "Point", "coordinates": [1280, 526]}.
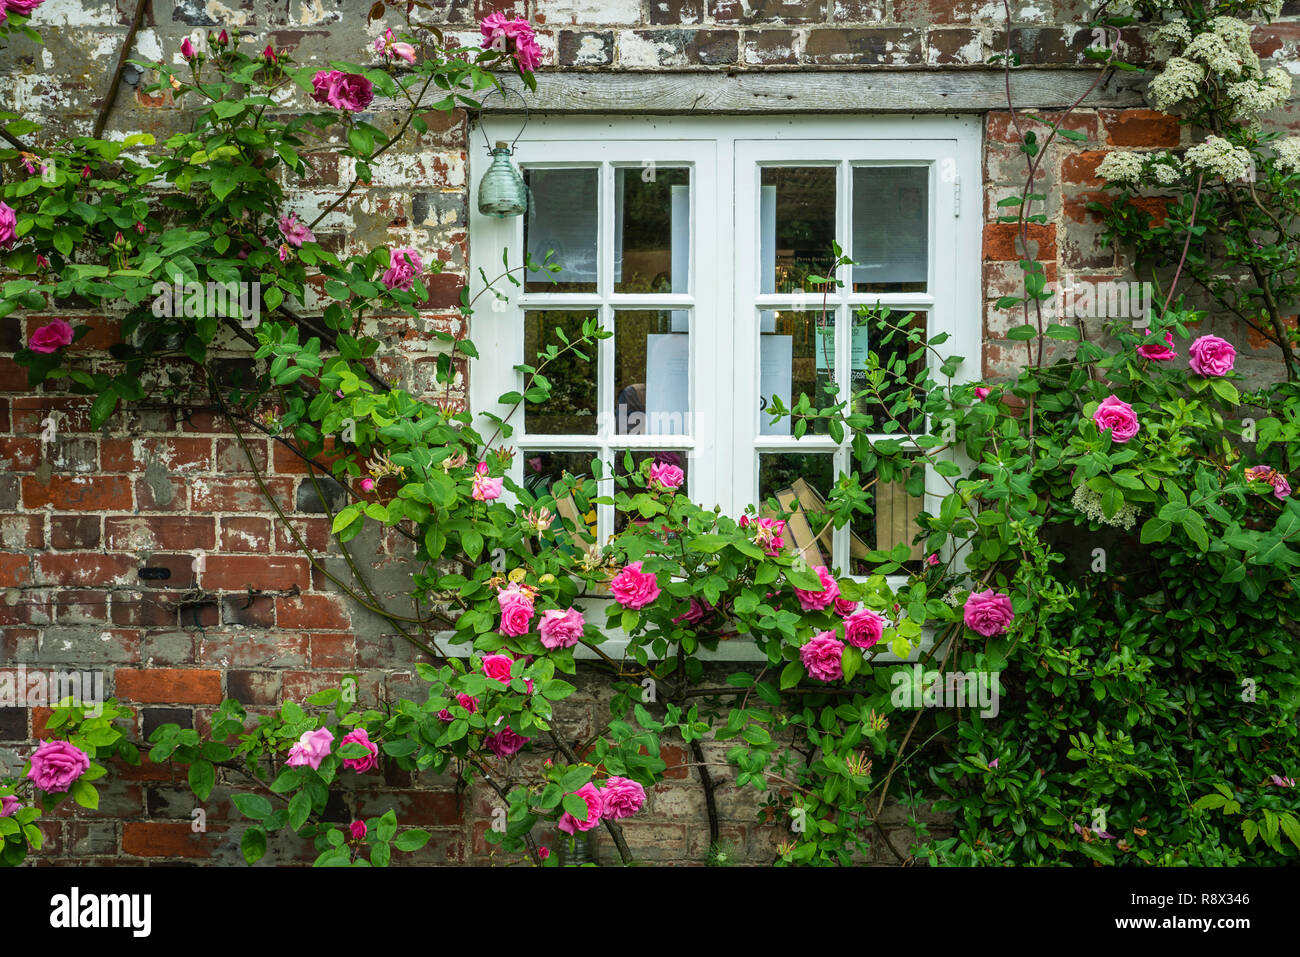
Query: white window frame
{"type": "Point", "coordinates": [725, 154]}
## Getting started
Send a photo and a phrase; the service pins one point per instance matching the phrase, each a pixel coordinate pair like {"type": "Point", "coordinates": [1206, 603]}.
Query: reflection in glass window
{"type": "Point", "coordinates": [796, 357]}
{"type": "Point", "coordinates": [891, 221]}
{"type": "Point", "coordinates": [652, 394]}
{"type": "Point", "coordinates": [652, 229]}
{"type": "Point", "coordinates": [561, 220]}
{"type": "Point", "coordinates": [571, 409]}
{"type": "Point", "coordinates": [797, 221]}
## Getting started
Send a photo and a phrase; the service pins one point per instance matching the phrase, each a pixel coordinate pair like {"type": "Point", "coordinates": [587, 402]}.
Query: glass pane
{"type": "Point", "coordinates": [887, 334]}
{"type": "Point", "coordinates": [543, 468]}
{"type": "Point", "coordinates": [796, 357]}
{"type": "Point", "coordinates": [891, 218]}
{"type": "Point", "coordinates": [643, 461]}
{"type": "Point", "coordinates": [797, 224]}
{"type": "Point", "coordinates": [571, 409]}
{"type": "Point", "coordinates": [652, 229]}
{"type": "Point", "coordinates": [561, 218]}
{"type": "Point", "coordinates": [652, 372]}
{"type": "Point", "coordinates": [799, 483]}
{"type": "Point", "coordinates": [893, 523]}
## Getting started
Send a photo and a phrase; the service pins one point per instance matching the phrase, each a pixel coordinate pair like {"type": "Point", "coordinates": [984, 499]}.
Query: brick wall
{"type": "Point", "coordinates": [83, 516]}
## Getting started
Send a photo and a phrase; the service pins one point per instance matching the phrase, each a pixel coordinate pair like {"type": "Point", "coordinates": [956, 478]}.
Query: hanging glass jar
{"type": "Point", "coordinates": [501, 191]}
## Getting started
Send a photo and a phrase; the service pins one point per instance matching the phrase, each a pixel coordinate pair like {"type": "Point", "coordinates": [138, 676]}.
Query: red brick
{"type": "Point", "coordinates": [423, 808]}
{"type": "Point", "coordinates": [290, 463]}
{"type": "Point", "coordinates": [169, 839]}
{"type": "Point", "coordinates": [314, 531]}
{"type": "Point", "coordinates": [22, 531]}
{"type": "Point", "coordinates": [265, 572]}
{"type": "Point", "coordinates": [1000, 241]}
{"type": "Point", "coordinates": [170, 494]}
{"type": "Point", "coordinates": [1002, 130]}
{"type": "Point", "coordinates": [181, 532]}
{"type": "Point", "coordinates": [1141, 128]}
{"type": "Point", "coordinates": [100, 493]}
{"type": "Point", "coordinates": [103, 333]}
{"type": "Point", "coordinates": [70, 414]}
{"type": "Point", "coordinates": [311, 612]}
{"type": "Point", "coordinates": [1157, 207]}
{"type": "Point", "coordinates": [86, 568]}
{"type": "Point", "coordinates": [74, 531]}
{"type": "Point", "coordinates": [13, 377]}
{"type": "Point", "coordinates": [1080, 169]}
{"type": "Point", "coordinates": [239, 495]}
{"type": "Point", "coordinates": [333, 650]}
{"type": "Point", "coordinates": [676, 758]}
{"type": "Point", "coordinates": [246, 535]}
{"type": "Point", "coordinates": [1076, 206]}
{"type": "Point", "coordinates": [19, 454]}
{"type": "Point", "coordinates": [169, 686]}
{"type": "Point", "coordinates": [249, 649]}
{"type": "Point", "coordinates": [231, 457]}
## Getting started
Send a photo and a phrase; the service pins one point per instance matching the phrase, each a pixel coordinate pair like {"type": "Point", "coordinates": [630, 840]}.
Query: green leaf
{"type": "Point", "coordinates": [202, 778]}
{"type": "Point", "coordinates": [84, 793]}
{"type": "Point", "coordinates": [575, 806]}
{"type": "Point", "coordinates": [791, 675]}
{"type": "Point", "coordinates": [253, 844]}
{"type": "Point", "coordinates": [299, 810]}
{"type": "Point", "coordinates": [412, 840]}
{"type": "Point", "coordinates": [253, 806]}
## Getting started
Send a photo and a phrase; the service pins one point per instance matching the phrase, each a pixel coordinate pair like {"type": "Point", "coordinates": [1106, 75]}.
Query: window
{"type": "Point", "coordinates": [692, 239]}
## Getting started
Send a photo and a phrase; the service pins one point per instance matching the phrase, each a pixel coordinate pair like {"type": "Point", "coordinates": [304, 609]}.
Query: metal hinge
{"type": "Point", "coordinates": [956, 196]}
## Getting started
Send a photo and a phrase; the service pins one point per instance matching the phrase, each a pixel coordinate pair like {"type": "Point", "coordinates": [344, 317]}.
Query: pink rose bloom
{"type": "Point", "coordinates": [844, 607]}
{"type": "Point", "coordinates": [864, 628]}
{"type": "Point", "coordinates": [51, 338]}
{"type": "Point", "coordinates": [361, 765]}
{"type": "Point", "coordinates": [981, 392]}
{"type": "Point", "coordinates": [295, 231]}
{"type": "Point", "coordinates": [187, 48]}
{"type": "Point", "coordinates": [311, 749]}
{"type": "Point", "coordinates": [1281, 489]}
{"type": "Point", "coordinates": [666, 477]}
{"type": "Point", "coordinates": [8, 225]}
{"type": "Point", "coordinates": [570, 824]}
{"type": "Point", "coordinates": [769, 536]}
{"type": "Point", "coordinates": [817, 600]}
{"type": "Point", "coordinates": [343, 91]}
{"type": "Point", "coordinates": [988, 612]}
{"type": "Point", "coordinates": [543, 852]}
{"type": "Point", "coordinates": [465, 701]}
{"type": "Point", "coordinates": [505, 742]}
{"type": "Point", "coordinates": [932, 559]}
{"type": "Point", "coordinates": [358, 830]}
{"type": "Point", "coordinates": [823, 657]}
{"type": "Point", "coordinates": [1154, 350]}
{"type": "Point", "coordinates": [9, 804]}
{"type": "Point", "coordinates": [1118, 416]}
{"type": "Point", "coordinates": [484, 489]}
{"type": "Point", "coordinates": [497, 667]}
{"type": "Point", "coordinates": [620, 798]}
{"type": "Point", "coordinates": [405, 266]}
{"type": "Point", "coordinates": [512, 36]}
{"type": "Point", "coordinates": [695, 612]}
{"type": "Point", "coordinates": [56, 765]}
{"type": "Point", "coordinates": [516, 611]}
{"type": "Point", "coordinates": [634, 588]}
{"type": "Point", "coordinates": [1211, 356]}
{"type": "Point", "coordinates": [367, 485]}
{"type": "Point", "coordinates": [561, 629]}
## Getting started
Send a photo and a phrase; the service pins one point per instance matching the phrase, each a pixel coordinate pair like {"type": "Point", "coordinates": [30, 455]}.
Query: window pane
{"type": "Point", "coordinates": [797, 224]}
{"type": "Point", "coordinates": [541, 471]}
{"type": "Point", "coordinates": [571, 409]}
{"type": "Point", "coordinates": [796, 356]}
{"type": "Point", "coordinates": [887, 333]}
{"type": "Point", "coordinates": [652, 394]}
{"type": "Point", "coordinates": [893, 523]}
{"type": "Point", "coordinates": [652, 229]}
{"type": "Point", "coordinates": [642, 462]}
{"type": "Point", "coordinates": [799, 482]}
{"type": "Point", "coordinates": [561, 217]}
{"type": "Point", "coordinates": [891, 216]}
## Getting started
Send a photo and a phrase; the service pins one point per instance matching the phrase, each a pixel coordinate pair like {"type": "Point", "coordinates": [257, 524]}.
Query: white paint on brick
{"type": "Point", "coordinates": [636, 51]}
{"type": "Point", "coordinates": [590, 51]}
{"type": "Point", "coordinates": [66, 13]}
{"type": "Point", "coordinates": [970, 52]}
{"type": "Point", "coordinates": [589, 12]}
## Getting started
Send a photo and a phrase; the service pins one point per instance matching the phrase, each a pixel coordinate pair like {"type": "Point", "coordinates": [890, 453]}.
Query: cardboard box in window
{"type": "Point", "coordinates": [896, 514]}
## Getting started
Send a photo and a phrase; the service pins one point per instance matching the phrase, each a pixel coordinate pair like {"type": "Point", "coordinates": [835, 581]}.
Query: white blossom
{"type": "Point", "coordinates": [1089, 503]}
{"type": "Point", "coordinates": [1215, 52]}
{"type": "Point", "coordinates": [1170, 37]}
{"type": "Point", "coordinates": [1220, 158]}
{"type": "Point", "coordinates": [1121, 167]}
{"type": "Point", "coordinates": [1288, 154]}
{"type": "Point", "coordinates": [1180, 80]}
{"type": "Point", "coordinates": [1253, 97]}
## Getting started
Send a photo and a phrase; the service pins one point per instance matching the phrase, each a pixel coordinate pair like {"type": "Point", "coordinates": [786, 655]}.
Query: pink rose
{"type": "Point", "coordinates": [295, 231]}
{"type": "Point", "coordinates": [505, 742]}
{"type": "Point", "coordinates": [187, 49]}
{"type": "Point", "coordinates": [51, 338]}
{"type": "Point", "coordinates": [817, 600]}
{"type": "Point", "coordinates": [358, 830]}
{"type": "Point", "coordinates": [8, 225]}
{"type": "Point", "coordinates": [864, 628]}
{"type": "Point", "coordinates": [1211, 356]}
{"type": "Point", "coordinates": [56, 765]}
{"type": "Point", "coordinates": [988, 612]}
{"type": "Point", "coordinates": [1119, 417]}
{"type": "Point", "coordinates": [844, 607]}
{"type": "Point", "coordinates": [9, 804]}
{"type": "Point", "coordinates": [361, 765]}
{"type": "Point", "coordinates": [465, 701]}
{"type": "Point", "coordinates": [666, 477]}
{"type": "Point", "coordinates": [570, 824]}
{"type": "Point", "coordinates": [512, 36]}
{"type": "Point", "coordinates": [498, 667]}
{"type": "Point", "coordinates": [695, 612]}
{"type": "Point", "coordinates": [981, 392]}
{"type": "Point", "coordinates": [543, 852]}
{"type": "Point", "coordinates": [932, 559]}
{"type": "Point", "coordinates": [823, 657]}
{"type": "Point", "coordinates": [620, 798]}
{"type": "Point", "coordinates": [343, 91]}
{"type": "Point", "coordinates": [634, 588]}
{"type": "Point", "coordinates": [769, 536]}
{"type": "Point", "coordinates": [516, 611]}
{"type": "Point", "coordinates": [24, 7]}
{"type": "Point", "coordinates": [404, 266]}
{"type": "Point", "coordinates": [1154, 350]}
{"type": "Point", "coordinates": [311, 749]}
{"type": "Point", "coordinates": [561, 629]}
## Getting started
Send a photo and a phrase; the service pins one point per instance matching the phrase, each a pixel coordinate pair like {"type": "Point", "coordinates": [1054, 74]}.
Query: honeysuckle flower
{"type": "Point", "coordinates": [454, 461]}
{"type": "Point", "coordinates": [139, 227]}
{"type": "Point", "coordinates": [993, 763]}
{"type": "Point", "coordinates": [295, 231]}
{"type": "Point", "coordinates": [56, 765]}
{"type": "Point", "coordinates": [1211, 356]}
{"type": "Point", "coordinates": [822, 656]}
{"type": "Point", "coordinates": [1119, 417]}
{"type": "Point", "coordinates": [51, 337]}
{"type": "Point", "coordinates": [405, 266]}
{"type": "Point", "coordinates": [285, 252]}
{"type": "Point", "coordinates": [1278, 781]}
{"type": "Point", "coordinates": [363, 764]}
{"type": "Point", "coordinates": [1262, 473]}
{"type": "Point", "coordinates": [312, 748]}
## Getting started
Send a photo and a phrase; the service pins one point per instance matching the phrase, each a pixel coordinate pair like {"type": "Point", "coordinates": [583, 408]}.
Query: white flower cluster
{"type": "Point", "coordinates": [1254, 97]}
{"type": "Point", "coordinates": [1164, 168]}
{"type": "Point", "coordinates": [1288, 154]}
{"type": "Point", "coordinates": [1171, 37]}
{"type": "Point", "coordinates": [1121, 167]}
{"type": "Point", "coordinates": [1220, 158]}
{"type": "Point", "coordinates": [954, 596]}
{"type": "Point", "coordinates": [1180, 80]}
{"type": "Point", "coordinates": [1216, 53]}
{"type": "Point", "coordinates": [1089, 503]}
